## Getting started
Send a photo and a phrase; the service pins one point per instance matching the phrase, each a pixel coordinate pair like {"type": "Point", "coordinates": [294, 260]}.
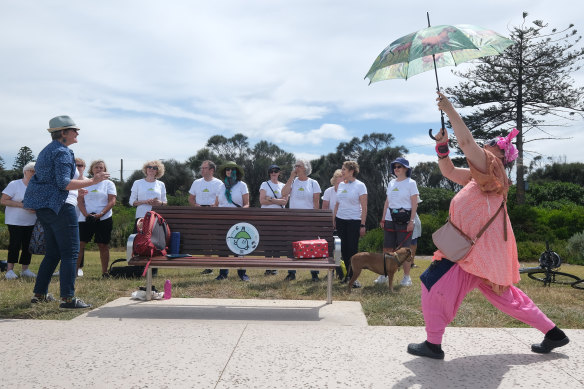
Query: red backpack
{"type": "Point", "coordinates": [153, 238]}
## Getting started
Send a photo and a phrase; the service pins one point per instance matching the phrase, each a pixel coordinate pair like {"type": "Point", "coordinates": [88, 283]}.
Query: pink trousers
{"type": "Point", "coordinates": [441, 303]}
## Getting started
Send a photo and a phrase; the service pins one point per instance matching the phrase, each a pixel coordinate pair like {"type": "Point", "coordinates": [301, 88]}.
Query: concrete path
{"type": "Point", "coordinates": [212, 343]}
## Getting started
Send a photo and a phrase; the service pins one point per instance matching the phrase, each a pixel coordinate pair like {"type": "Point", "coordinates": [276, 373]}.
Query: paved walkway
{"type": "Point", "coordinates": [211, 343]}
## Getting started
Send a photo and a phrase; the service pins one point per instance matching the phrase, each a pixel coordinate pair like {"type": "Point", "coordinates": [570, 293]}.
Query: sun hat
{"type": "Point", "coordinates": [276, 167]}
{"type": "Point", "coordinates": [404, 162]}
{"type": "Point", "coordinates": [232, 165]}
{"type": "Point", "coordinates": [62, 122]}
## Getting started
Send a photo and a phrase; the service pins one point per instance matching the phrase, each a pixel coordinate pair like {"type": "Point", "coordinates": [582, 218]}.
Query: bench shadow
{"type": "Point", "coordinates": [484, 371]}
{"type": "Point", "coordinates": [151, 310]}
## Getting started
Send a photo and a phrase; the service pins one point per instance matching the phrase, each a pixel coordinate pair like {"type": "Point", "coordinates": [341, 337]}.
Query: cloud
{"type": "Point", "coordinates": [160, 78]}
{"type": "Point", "coordinates": [316, 136]}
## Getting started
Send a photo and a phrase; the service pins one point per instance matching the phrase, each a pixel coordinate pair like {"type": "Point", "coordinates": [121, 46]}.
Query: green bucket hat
{"type": "Point", "coordinates": [232, 165]}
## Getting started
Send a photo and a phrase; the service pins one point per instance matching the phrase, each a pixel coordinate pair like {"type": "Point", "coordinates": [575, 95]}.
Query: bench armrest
{"type": "Point", "coordinates": [337, 252]}
{"type": "Point", "coordinates": [130, 247]}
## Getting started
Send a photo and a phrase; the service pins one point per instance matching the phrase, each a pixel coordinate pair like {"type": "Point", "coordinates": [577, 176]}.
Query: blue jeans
{"type": "Point", "coordinates": [62, 242]}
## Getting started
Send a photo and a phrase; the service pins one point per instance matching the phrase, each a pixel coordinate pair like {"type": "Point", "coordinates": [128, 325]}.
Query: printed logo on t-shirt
{"type": "Point", "coordinates": [301, 189]}
{"type": "Point", "coordinates": [344, 191]}
{"type": "Point", "coordinates": [395, 190]}
{"type": "Point", "coordinates": [205, 190]}
{"type": "Point", "coordinates": [151, 189]}
{"type": "Point", "coordinates": [95, 190]}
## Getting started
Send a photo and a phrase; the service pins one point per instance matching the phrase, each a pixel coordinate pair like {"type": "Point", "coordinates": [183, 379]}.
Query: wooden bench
{"type": "Point", "coordinates": [203, 232]}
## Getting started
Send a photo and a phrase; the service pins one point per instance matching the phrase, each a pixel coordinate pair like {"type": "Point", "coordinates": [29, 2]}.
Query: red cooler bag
{"type": "Point", "coordinates": [306, 249]}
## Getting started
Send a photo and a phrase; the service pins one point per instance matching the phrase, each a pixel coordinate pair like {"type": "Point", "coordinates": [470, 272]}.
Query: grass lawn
{"type": "Point", "coordinates": [561, 303]}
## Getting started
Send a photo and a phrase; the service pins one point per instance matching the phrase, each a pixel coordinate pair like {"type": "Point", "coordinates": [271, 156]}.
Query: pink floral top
{"type": "Point", "coordinates": [492, 258]}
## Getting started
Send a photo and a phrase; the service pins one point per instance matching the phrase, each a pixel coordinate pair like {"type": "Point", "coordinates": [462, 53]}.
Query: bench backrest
{"type": "Point", "coordinates": [203, 230]}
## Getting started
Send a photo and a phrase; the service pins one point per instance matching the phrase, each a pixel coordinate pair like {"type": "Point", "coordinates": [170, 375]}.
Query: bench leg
{"type": "Point", "coordinates": [329, 290]}
{"type": "Point", "coordinates": [149, 284]}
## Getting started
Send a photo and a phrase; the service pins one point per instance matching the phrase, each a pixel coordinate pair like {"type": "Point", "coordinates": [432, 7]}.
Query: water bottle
{"type": "Point", "coordinates": [167, 290]}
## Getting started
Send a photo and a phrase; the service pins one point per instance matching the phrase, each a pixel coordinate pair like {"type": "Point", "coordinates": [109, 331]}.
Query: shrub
{"type": "Point", "coordinates": [4, 237]}
{"type": "Point", "coordinates": [372, 241]}
{"type": "Point", "coordinates": [575, 248]}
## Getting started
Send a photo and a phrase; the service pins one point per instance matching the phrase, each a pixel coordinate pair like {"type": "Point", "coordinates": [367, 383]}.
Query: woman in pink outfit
{"type": "Point", "coordinates": [492, 265]}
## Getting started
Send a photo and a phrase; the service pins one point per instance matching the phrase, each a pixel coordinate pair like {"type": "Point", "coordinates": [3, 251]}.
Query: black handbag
{"type": "Point", "coordinates": [400, 215]}
{"type": "Point", "coordinates": [133, 271]}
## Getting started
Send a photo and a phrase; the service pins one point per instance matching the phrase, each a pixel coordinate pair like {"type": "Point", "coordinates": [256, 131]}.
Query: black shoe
{"type": "Point", "coordinates": [74, 303]}
{"type": "Point", "coordinates": [422, 350]}
{"type": "Point", "coordinates": [290, 277]}
{"type": "Point", "coordinates": [105, 275]}
{"type": "Point", "coordinates": [345, 280]}
{"type": "Point", "coordinates": [47, 298]}
{"type": "Point", "coordinates": [244, 277]}
{"type": "Point", "coordinates": [207, 271]}
{"type": "Point", "coordinates": [221, 277]}
{"type": "Point", "coordinates": [315, 278]}
{"type": "Point", "coordinates": [271, 272]}
{"type": "Point", "coordinates": [356, 284]}
{"type": "Point", "coordinates": [548, 345]}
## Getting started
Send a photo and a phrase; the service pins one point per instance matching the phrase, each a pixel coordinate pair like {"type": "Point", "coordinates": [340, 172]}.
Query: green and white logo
{"type": "Point", "coordinates": [242, 238]}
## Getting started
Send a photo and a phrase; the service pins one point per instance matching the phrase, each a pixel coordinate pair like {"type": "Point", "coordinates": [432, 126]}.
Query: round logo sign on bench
{"type": "Point", "coordinates": [242, 238]}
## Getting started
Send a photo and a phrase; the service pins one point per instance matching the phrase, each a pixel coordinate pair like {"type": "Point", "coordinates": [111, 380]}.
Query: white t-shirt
{"type": "Point", "coordinates": [205, 192]}
{"type": "Point", "coordinates": [72, 196]}
{"type": "Point", "coordinates": [97, 197]}
{"type": "Point", "coordinates": [301, 194]}
{"type": "Point", "coordinates": [277, 192]}
{"type": "Point", "coordinates": [330, 195]}
{"type": "Point", "coordinates": [399, 194]}
{"type": "Point", "coordinates": [15, 216]}
{"type": "Point", "coordinates": [237, 192]}
{"type": "Point", "coordinates": [348, 199]}
{"type": "Point", "coordinates": [143, 190]}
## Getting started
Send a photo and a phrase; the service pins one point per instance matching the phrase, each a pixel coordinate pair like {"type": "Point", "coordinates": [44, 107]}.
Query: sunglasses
{"type": "Point", "coordinates": [398, 167]}
{"type": "Point", "coordinates": [493, 142]}
{"type": "Point", "coordinates": [152, 167]}
{"type": "Point", "coordinates": [228, 169]}
{"type": "Point", "coordinates": [79, 165]}
{"type": "Point", "coordinates": [273, 171]}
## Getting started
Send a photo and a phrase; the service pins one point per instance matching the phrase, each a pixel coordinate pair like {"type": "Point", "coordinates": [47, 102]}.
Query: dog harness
{"type": "Point", "coordinates": [385, 263]}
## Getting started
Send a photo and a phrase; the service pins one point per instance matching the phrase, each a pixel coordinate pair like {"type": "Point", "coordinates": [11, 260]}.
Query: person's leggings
{"type": "Point", "coordinates": [442, 301]}
{"type": "Point", "coordinates": [349, 233]}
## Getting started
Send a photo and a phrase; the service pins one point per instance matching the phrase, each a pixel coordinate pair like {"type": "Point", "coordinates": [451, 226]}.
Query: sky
{"type": "Point", "coordinates": [147, 79]}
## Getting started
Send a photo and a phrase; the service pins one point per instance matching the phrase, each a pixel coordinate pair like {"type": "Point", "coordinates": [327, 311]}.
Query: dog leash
{"type": "Point", "coordinates": [405, 239]}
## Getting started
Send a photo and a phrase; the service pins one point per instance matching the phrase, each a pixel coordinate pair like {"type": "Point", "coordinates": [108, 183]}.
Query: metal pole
{"type": "Point", "coordinates": [436, 74]}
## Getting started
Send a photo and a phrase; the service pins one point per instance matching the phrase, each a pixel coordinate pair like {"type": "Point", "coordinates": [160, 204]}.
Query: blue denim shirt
{"type": "Point", "coordinates": [54, 169]}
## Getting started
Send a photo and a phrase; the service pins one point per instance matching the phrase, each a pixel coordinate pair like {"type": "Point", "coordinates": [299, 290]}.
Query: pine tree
{"type": "Point", "coordinates": [24, 156]}
{"type": "Point", "coordinates": [528, 87]}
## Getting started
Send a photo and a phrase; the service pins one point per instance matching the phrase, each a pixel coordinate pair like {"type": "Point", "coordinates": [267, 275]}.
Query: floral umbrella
{"type": "Point", "coordinates": [435, 47]}
{"type": "Point", "coordinates": [445, 45]}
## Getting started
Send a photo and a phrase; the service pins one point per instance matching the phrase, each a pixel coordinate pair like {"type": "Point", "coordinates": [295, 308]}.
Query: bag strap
{"type": "Point", "coordinates": [116, 261]}
{"type": "Point", "coordinates": [482, 230]}
{"type": "Point", "coordinates": [274, 193]}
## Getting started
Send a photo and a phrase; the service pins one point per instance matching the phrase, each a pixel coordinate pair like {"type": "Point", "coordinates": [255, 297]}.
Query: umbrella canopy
{"type": "Point", "coordinates": [435, 46]}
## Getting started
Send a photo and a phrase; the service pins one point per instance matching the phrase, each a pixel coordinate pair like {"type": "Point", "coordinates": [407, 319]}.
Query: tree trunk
{"type": "Point", "coordinates": [519, 140]}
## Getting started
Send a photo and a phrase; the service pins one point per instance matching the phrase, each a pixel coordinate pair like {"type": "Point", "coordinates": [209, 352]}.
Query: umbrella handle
{"type": "Point", "coordinates": [432, 136]}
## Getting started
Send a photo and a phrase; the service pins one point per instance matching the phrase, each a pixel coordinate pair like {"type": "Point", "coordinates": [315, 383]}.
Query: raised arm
{"type": "Point", "coordinates": [472, 151]}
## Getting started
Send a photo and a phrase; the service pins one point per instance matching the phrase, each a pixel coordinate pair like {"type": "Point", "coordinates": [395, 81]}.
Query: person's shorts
{"type": "Point", "coordinates": [398, 236]}
{"type": "Point", "coordinates": [102, 230]}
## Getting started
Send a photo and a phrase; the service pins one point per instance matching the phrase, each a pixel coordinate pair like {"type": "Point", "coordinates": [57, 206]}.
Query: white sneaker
{"type": "Point", "coordinates": [11, 275]}
{"type": "Point", "coordinates": [56, 274]}
{"type": "Point", "coordinates": [381, 279]}
{"type": "Point", "coordinates": [406, 281]}
{"type": "Point", "coordinates": [80, 272]}
{"type": "Point", "coordinates": [27, 273]}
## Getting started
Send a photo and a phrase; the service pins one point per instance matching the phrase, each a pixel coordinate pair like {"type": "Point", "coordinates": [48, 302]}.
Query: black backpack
{"type": "Point", "coordinates": [125, 271]}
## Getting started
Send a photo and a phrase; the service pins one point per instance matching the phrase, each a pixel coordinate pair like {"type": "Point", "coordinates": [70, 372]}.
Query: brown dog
{"type": "Point", "coordinates": [374, 262]}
